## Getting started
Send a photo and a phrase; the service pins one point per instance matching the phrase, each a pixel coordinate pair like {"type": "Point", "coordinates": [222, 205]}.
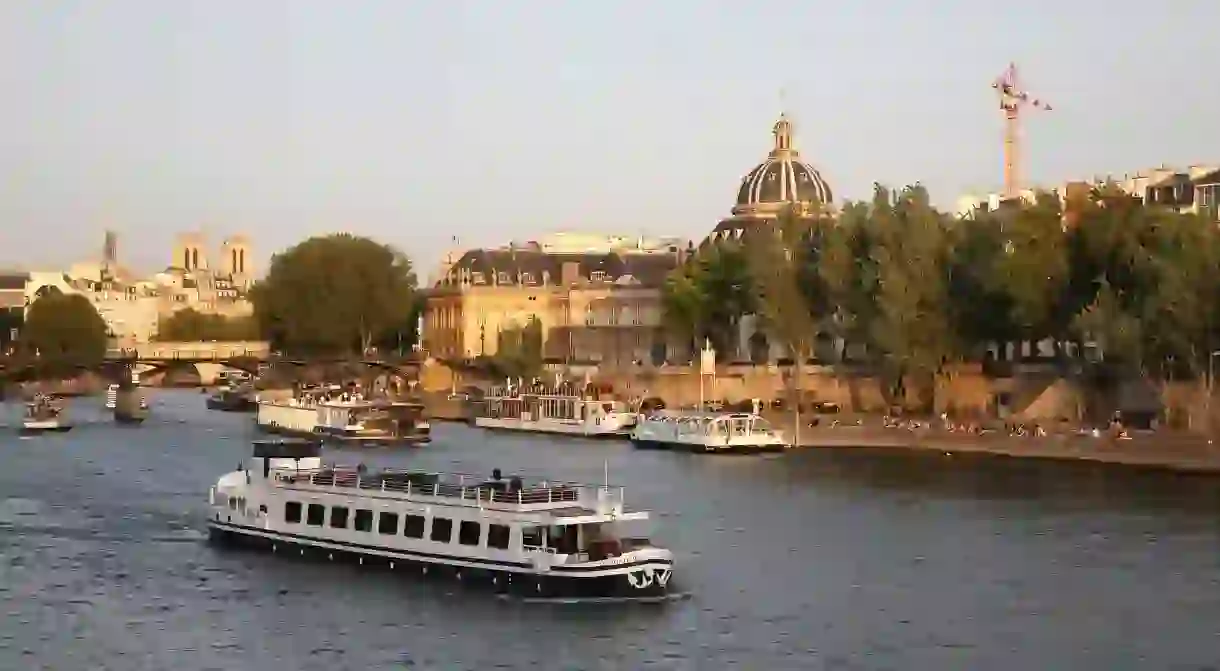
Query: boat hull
{"type": "Point", "coordinates": [649, 580]}
{"type": "Point", "coordinates": [556, 429]}
{"type": "Point", "coordinates": [32, 430]}
{"type": "Point", "coordinates": [232, 405]}
{"type": "Point", "coordinates": [645, 444]}
{"type": "Point", "coordinates": [347, 440]}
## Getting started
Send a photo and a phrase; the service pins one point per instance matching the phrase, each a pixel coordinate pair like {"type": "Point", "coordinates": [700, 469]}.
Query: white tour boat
{"type": "Point", "coordinates": [345, 418]}
{"type": "Point", "coordinates": [43, 415]}
{"type": "Point", "coordinates": [564, 410]}
{"type": "Point", "coordinates": [733, 432]}
{"type": "Point", "coordinates": [528, 539]}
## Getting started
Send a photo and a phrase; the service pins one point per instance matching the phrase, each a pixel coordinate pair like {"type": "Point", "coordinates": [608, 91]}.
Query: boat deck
{"type": "Point", "coordinates": [510, 494]}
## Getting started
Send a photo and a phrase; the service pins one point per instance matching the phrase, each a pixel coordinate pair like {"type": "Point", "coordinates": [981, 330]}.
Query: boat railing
{"type": "Point", "coordinates": [456, 486]}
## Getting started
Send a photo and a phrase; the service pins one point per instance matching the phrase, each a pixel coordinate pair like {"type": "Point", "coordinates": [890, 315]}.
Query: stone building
{"type": "Point", "coordinates": [133, 306]}
{"type": "Point", "coordinates": [597, 298]}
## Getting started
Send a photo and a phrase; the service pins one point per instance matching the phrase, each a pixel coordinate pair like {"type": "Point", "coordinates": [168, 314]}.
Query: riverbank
{"type": "Point", "coordinates": [1165, 450]}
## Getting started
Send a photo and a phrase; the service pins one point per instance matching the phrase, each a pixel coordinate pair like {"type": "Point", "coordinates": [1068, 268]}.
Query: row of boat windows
{"type": "Point", "coordinates": [412, 526]}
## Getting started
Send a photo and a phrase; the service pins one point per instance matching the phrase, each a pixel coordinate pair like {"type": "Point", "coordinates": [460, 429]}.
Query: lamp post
{"type": "Point", "coordinates": [1211, 380]}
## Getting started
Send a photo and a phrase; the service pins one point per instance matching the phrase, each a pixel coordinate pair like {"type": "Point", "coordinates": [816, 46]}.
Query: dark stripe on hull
{"type": "Point", "coordinates": [617, 435]}
{"type": "Point", "coordinates": [685, 447]}
{"type": "Point", "coordinates": [524, 584]}
{"type": "Point", "coordinates": [334, 439]}
{"type": "Point", "coordinates": [36, 431]}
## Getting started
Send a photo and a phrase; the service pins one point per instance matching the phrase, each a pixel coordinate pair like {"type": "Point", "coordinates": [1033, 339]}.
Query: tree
{"type": "Point", "coordinates": [519, 351]}
{"type": "Point", "coordinates": [62, 332]}
{"type": "Point", "coordinates": [333, 294]}
{"type": "Point", "coordinates": [707, 297]}
{"type": "Point", "coordinates": [910, 330]}
{"type": "Point", "coordinates": [190, 325]}
{"type": "Point", "coordinates": [791, 298]}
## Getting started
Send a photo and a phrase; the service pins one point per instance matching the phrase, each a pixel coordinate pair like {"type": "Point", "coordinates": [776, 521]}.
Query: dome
{"type": "Point", "coordinates": [782, 178]}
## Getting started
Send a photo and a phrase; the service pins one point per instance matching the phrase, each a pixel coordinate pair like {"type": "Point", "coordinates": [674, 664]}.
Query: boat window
{"type": "Point", "coordinates": [232, 503]}
{"type": "Point", "coordinates": [497, 536]}
{"type": "Point", "coordinates": [292, 512]}
{"type": "Point", "coordinates": [338, 517]}
{"type": "Point", "coordinates": [469, 532]}
{"type": "Point", "coordinates": [364, 520]}
{"type": "Point", "coordinates": [387, 523]}
{"type": "Point", "coordinates": [563, 538]}
{"type": "Point", "coordinates": [413, 526]}
{"type": "Point", "coordinates": [315, 514]}
{"type": "Point", "coordinates": [531, 537]}
{"type": "Point", "coordinates": [442, 530]}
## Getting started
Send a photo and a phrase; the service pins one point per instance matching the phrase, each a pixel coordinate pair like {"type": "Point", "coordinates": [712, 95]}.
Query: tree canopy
{"type": "Point", "coordinates": [334, 294]}
{"type": "Point", "coordinates": [190, 325]}
{"type": "Point", "coordinates": [63, 331]}
{"type": "Point", "coordinates": [909, 288]}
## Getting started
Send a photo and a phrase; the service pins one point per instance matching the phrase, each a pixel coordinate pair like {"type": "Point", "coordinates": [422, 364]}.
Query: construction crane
{"type": "Point", "coordinates": [1012, 99]}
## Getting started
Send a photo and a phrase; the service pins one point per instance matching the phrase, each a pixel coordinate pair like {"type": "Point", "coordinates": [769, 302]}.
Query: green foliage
{"type": "Point", "coordinates": [519, 351]}
{"type": "Point", "coordinates": [334, 294]}
{"type": "Point", "coordinates": [912, 289]}
{"type": "Point", "coordinates": [190, 325]}
{"type": "Point", "coordinates": [707, 297]}
{"type": "Point", "coordinates": [61, 332]}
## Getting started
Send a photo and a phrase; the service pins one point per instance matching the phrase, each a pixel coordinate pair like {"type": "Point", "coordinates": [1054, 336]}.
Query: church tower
{"type": "Point", "coordinates": [190, 253]}
{"type": "Point", "coordinates": [235, 259]}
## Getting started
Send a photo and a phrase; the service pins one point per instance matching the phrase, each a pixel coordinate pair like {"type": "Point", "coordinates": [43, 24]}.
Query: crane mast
{"type": "Point", "coordinates": [1012, 99]}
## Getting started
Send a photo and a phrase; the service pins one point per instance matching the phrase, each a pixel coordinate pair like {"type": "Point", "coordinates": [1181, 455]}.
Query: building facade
{"type": "Point", "coordinates": [12, 307]}
{"type": "Point", "coordinates": [133, 307]}
{"type": "Point", "coordinates": [597, 299]}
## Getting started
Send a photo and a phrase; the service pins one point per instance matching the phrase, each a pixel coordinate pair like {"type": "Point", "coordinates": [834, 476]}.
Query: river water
{"type": "Point", "coordinates": [817, 560]}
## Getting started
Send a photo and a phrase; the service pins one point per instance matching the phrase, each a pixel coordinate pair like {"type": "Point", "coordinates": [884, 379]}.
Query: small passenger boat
{"type": "Point", "coordinates": [526, 538]}
{"type": "Point", "coordinates": [709, 432]}
{"type": "Point", "coordinates": [43, 414]}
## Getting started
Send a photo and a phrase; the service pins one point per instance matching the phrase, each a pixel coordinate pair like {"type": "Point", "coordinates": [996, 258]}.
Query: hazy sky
{"type": "Point", "coordinates": [414, 121]}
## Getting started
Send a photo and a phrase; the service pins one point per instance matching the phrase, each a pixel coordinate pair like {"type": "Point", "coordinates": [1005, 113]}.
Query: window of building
{"type": "Point", "coordinates": [442, 530]}
{"type": "Point", "coordinates": [527, 278]}
{"type": "Point", "coordinates": [497, 536]}
{"type": "Point", "coordinates": [387, 523]}
{"type": "Point", "coordinates": [413, 526]}
{"type": "Point", "coordinates": [315, 515]}
{"type": "Point", "coordinates": [503, 278]}
{"type": "Point", "coordinates": [338, 517]}
{"type": "Point", "coordinates": [477, 278]}
{"type": "Point", "coordinates": [469, 532]}
{"type": "Point", "coordinates": [232, 503]}
{"type": "Point", "coordinates": [364, 520]}
{"type": "Point", "coordinates": [597, 275]}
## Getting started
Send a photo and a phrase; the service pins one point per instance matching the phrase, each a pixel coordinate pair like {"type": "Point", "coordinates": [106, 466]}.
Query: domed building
{"type": "Point", "coordinates": [781, 181]}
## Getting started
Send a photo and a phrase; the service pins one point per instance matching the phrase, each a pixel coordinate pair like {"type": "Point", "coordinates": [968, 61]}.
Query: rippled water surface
{"type": "Point", "coordinates": [820, 560]}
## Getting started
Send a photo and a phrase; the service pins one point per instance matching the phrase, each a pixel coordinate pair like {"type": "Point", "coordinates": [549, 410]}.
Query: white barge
{"type": "Point", "coordinates": [346, 419]}
{"type": "Point", "coordinates": [741, 433]}
{"type": "Point", "coordinates": [539, 539]}
{"type": "Point", "coordinates": [562, 410]}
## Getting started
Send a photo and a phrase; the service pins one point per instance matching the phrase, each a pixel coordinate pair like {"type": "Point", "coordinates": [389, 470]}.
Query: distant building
{"type": "Point", "coordinates": [1193, 189]}
{"type": "Point", "coordinates": [12, 307]}
{"type": "Point", "coordinates": [597, 298]}
{"type": "Point", "coordinates": [132, 307]}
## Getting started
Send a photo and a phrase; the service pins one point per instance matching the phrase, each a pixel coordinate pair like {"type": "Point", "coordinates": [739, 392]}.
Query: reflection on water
{"type": "Point", "coordinates": [824, 559]}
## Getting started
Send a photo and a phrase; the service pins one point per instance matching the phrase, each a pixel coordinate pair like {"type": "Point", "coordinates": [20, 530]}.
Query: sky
{"type": "Point", "coordinates": [416, 122]}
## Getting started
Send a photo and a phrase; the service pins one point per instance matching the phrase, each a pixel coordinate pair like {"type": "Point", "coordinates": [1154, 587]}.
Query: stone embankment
{"type": "Point", "coordinates": [1168, 450]}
